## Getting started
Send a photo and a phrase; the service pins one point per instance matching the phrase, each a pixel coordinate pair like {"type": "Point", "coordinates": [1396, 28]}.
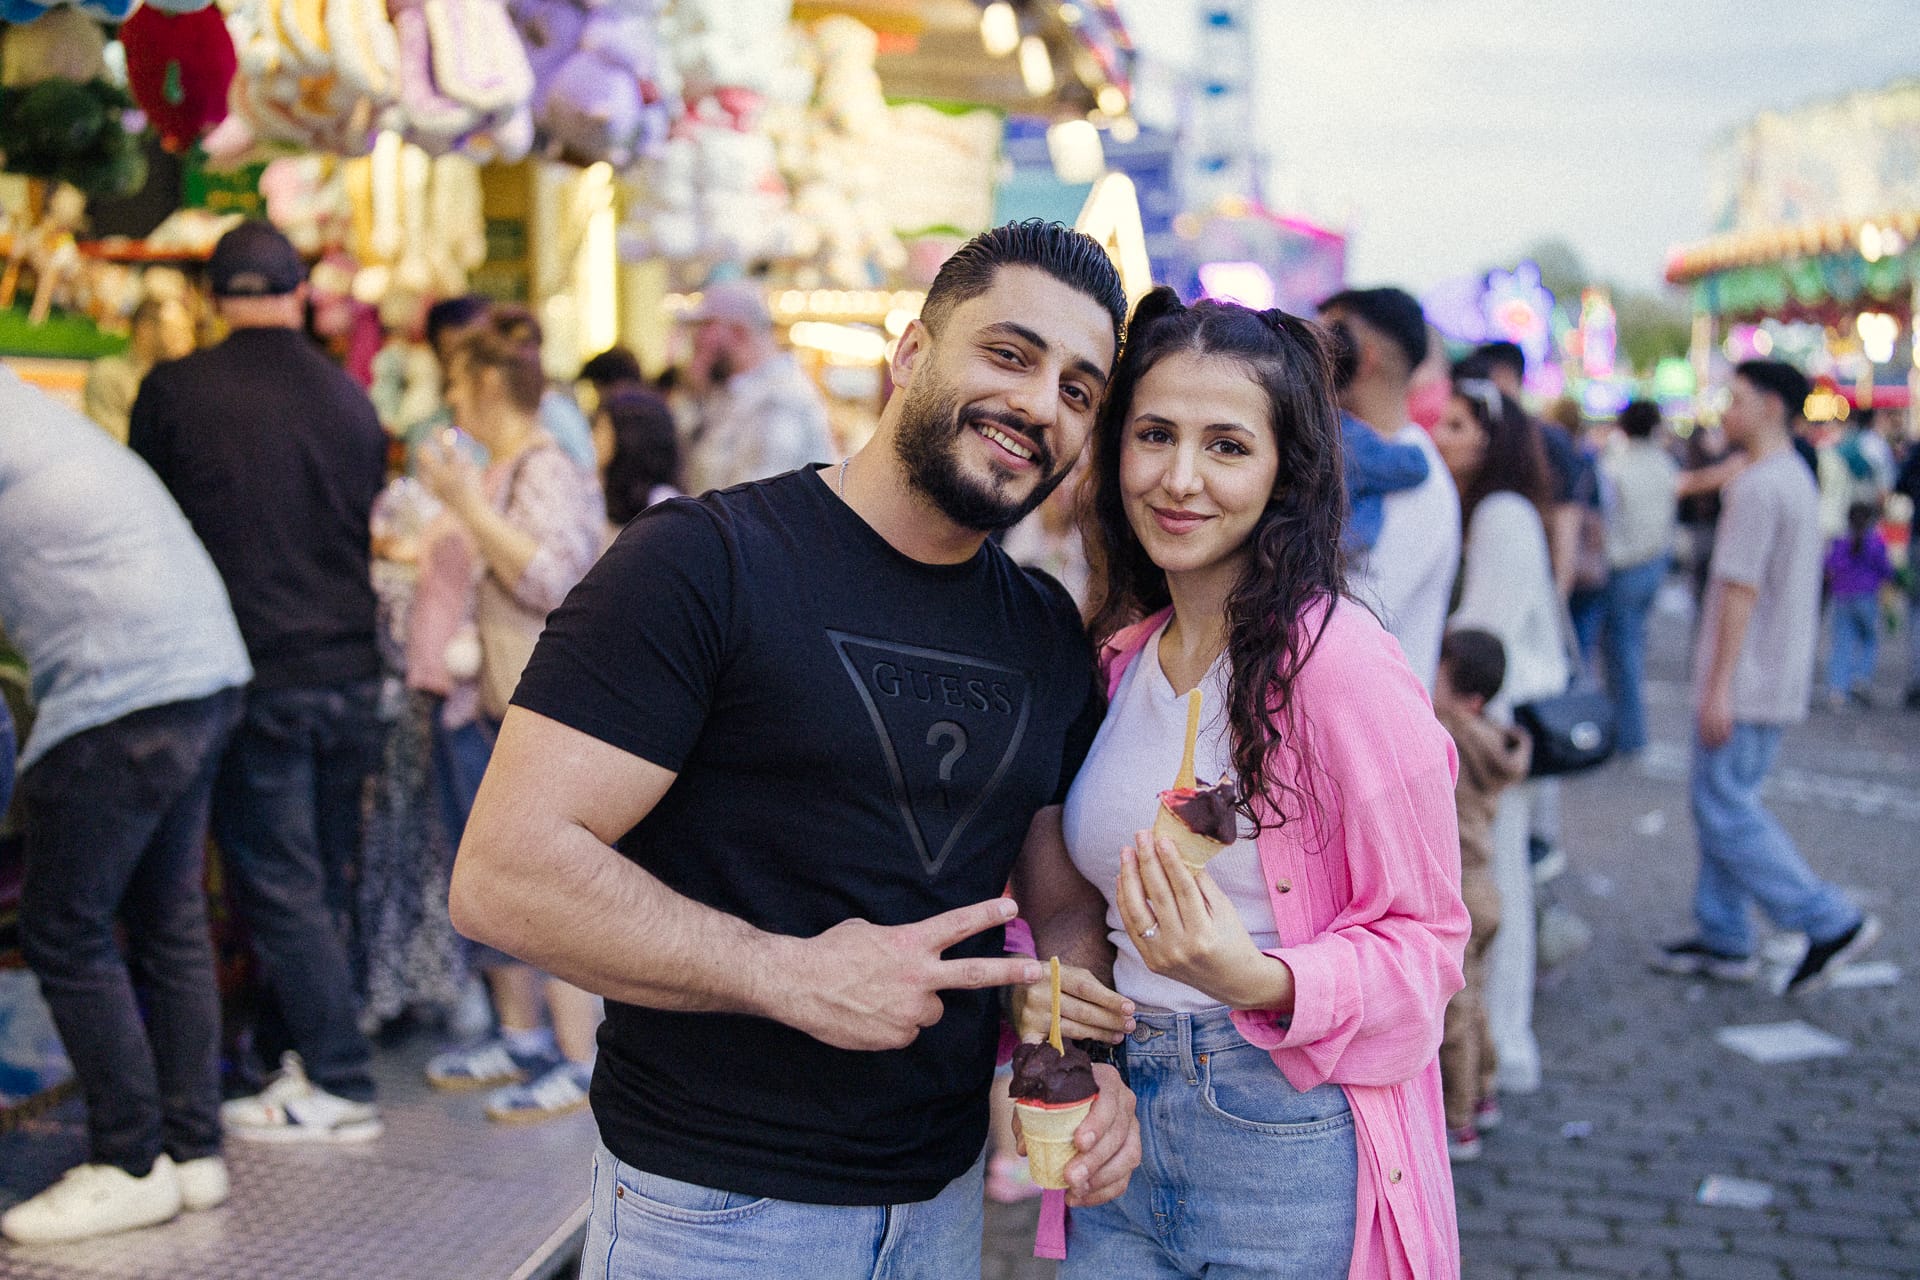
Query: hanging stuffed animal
{"type": "Point", "coordinates": [21, 12]}
{"type": "Point", "coordinates": [603, 90]}
{"type": "Point", "coordinates": [179, 67]}
{"type": "Point", "coordinates": [60, 118]}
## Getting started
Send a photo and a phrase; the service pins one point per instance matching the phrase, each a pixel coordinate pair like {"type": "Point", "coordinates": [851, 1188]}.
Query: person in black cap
{"type": "Point", "coordinates": [276, 456]}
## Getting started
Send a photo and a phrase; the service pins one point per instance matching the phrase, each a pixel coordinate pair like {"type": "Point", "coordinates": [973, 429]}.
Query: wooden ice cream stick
{"type": "Point", "coordinates": [1193, 734]}
{"type": "Point", "coordinates": [1053, 1034]}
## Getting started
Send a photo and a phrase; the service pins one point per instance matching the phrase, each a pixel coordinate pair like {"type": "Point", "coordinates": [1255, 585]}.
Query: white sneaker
{"type": "Point", "coordinates": [294, 1109]}
{"type": "Point", "coordinates": [94, 1200]}
{"type": "Point", "coordinates": [203, 1182]}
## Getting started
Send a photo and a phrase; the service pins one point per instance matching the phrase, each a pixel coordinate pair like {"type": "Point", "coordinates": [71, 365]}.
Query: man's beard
{"type": "Point", "coordinates": [928, 445]}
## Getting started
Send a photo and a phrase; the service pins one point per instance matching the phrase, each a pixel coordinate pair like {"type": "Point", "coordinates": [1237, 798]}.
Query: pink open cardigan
{"type": "Point", "coordinates": [1365, 890]}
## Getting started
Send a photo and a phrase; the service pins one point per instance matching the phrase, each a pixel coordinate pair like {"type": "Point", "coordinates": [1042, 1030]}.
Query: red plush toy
{"type": "Point", "coordinates": [179, 66]}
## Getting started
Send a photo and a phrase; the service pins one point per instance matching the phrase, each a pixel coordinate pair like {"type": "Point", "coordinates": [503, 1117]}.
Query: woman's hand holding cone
{"type": "Point", "coordinates": [1185, 928]}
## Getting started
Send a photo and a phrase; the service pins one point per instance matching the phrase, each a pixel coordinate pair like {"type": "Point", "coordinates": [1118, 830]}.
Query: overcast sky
{"type": "Point", "coordinates": [1449, 135]}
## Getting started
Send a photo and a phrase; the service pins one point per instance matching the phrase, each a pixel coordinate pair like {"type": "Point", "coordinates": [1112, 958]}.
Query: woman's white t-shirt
{"type": "Point", "coordinates": [1134, 758]}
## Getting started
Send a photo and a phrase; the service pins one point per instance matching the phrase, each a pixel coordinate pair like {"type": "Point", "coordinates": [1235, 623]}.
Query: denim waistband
{"type": "Point", "coordinates": [1182, 1035]}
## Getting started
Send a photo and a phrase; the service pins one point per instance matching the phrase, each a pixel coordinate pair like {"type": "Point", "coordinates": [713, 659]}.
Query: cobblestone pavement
{"type": "Point", "coordinates": [1598, 1174]}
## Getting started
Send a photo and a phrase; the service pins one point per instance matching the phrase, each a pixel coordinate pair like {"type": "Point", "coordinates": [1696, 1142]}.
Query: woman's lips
{"type": "Point", "coordinates": [1178, 522]}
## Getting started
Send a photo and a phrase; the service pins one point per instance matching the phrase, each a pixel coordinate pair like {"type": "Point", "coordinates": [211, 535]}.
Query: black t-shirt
{"type": "Point", "coordinates": [1575, 478]}
{"type": "Point", "coordinates": [857, 735]}
{"type": "Point", "coordinates": [276, 456]}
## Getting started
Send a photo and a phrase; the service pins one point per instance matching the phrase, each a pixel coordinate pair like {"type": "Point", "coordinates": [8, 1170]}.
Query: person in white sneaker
{"type": "Point", "coordinates": [137, 669]}
{"type": "Point", "coordinates": [293, 1108]}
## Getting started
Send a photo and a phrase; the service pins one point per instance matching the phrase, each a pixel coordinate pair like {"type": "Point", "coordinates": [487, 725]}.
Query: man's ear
{"type": "Point", "coordinates": [914, 348]}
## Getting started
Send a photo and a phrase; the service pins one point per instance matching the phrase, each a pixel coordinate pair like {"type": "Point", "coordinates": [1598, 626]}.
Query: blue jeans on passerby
{"type": "Point", "coordinates": [644, 1226]}
{"type": "Point", "coordinates": [1630, 593]}
{"type": "Point", "coordinates": [116, 835]}
{"type": "Point", "coordinates": [286, 814]}
{"type": "Point", "coordinates": [1241, 1175]}
{"type": "Point", "coordinates": [1854, 644]}
{"type": "Point", "coordinates": [1587, 610]}
{"type": "Point", "coordinates": [460, 757]}
{"type": "Point", "coordinates": [1745, 855]}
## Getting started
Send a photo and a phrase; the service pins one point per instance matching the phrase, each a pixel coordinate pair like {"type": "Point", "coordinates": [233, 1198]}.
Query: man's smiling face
{"type": "Point", "coordinates": [998, 404]}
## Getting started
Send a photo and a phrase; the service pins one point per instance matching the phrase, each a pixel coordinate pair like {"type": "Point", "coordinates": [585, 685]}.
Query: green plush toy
{"type": "Point", "coordinates": [71, 131]}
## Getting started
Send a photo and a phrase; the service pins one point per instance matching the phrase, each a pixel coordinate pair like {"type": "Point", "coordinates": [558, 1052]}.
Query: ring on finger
{"type": "Point", "coordinates": [1151, 931]}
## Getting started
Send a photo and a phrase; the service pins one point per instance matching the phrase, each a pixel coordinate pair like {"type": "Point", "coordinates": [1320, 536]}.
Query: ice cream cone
{"type": "Point", "coordinates": [1049, 1129]}
{"type": "Point", "coordinates": [1195, 849]}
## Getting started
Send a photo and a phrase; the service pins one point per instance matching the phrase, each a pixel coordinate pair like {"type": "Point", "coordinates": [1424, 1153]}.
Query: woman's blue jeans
{"type": "Point", "coordinates": [1241, 1175]}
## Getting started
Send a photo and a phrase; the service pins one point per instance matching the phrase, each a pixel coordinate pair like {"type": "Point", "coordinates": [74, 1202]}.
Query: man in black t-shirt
{"type": "Point", "coordinates": [764, 782]}
{"type": "Point", "coordinates": [276, 456]}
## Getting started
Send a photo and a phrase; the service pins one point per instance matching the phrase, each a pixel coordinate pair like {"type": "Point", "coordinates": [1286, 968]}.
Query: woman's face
{"type": "Point", "coordinates": [1198, 461]}
{"type": "Point", "coordinates": [1461, 440]}
{"type": "Point", "coordinates": [473, 395]}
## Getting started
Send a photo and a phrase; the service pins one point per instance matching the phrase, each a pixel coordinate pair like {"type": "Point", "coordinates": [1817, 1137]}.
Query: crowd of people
{"type": "Point", "coordinates": [760, 777]}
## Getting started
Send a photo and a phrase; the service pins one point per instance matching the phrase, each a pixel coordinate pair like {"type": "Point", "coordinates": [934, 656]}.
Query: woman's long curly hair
{"type": "Point", "coordinates": [1295, 558]}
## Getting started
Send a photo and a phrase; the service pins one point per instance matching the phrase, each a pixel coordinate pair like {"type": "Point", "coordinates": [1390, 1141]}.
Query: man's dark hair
{"type": "Point", "coordinates": [1395, 313]}
{"type": "Point", "coordinates": [612, 367]}
{"type": "Point", "coordinates": [454, 313]}
{"type": "Point", "coordinates": [1640, 419]}
{"type": "Point", "coordinates": [1475, 660]}
{"type": "Point", "coordinates": [1780, 380]}
{"type": "Point", "coordinates": [1074, 259]}
{"type": "Point", "coordinates": [1503, 355]}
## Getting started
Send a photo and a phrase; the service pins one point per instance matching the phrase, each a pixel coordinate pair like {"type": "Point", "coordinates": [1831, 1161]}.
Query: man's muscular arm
{"type": "Point", "coordinates": [537, 877]}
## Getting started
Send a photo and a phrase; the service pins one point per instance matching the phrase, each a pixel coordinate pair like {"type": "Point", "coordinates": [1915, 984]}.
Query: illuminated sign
{"type": "Point", "coordinates": [1246, 283]}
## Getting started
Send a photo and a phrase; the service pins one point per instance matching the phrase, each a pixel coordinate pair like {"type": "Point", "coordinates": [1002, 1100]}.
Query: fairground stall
{"type": "Point", "coordinates": [1817, 253]}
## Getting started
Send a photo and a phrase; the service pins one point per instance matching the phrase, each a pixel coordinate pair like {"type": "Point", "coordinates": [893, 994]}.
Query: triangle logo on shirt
{"type": "Point", "coordinates": [949, 727]}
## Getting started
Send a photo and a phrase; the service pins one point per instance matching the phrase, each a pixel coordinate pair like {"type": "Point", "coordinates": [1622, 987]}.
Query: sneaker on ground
{"type": "Point", "coordinates": [559, 1091]}
{"type": "Point", "coordinates": [1487, 1115]}
{"type": "Point", "coordinates": [294, 1109]}
{"type": "Point", "coordinates": [1823, 959]}
{"type": "Point", "coordinates": [1861, 698]}
{"type": "Point", "coordinates": [1463, 1145]}
{"type": "Point", "coordinates": [486, 1065]}
{"type": "Point", "coordinates": [95, 1200]}
{"type": "Point", "coordinates": [1547, 860]}
{"type": "Point", "coordinates": [203, 1182]}
{"type": "Point", "coordinates": [1695, 959]}
{"type": "Point", "coordinates": [1009, 1180]}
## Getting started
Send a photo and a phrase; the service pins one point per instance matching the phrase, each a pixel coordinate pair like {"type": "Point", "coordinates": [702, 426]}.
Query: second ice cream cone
{"type": "Point", "coordinates": [1049, 1131]}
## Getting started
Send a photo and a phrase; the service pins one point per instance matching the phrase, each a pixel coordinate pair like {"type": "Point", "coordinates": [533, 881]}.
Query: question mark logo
{"type": "Point", "coordinates": [956, 738]}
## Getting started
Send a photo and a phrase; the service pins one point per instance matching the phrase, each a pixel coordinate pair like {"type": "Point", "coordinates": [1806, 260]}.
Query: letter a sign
{"type": "Point", "coordinates": [1111, 215]}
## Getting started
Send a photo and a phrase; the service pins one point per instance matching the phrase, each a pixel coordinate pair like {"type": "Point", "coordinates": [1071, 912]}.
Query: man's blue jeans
{"type": "Point", "coordinates": [286, 813]}
{"type": "Point", "coordinates": [1630, 592]}
{"type": "Point", "coordinates": [1745, 856]}
{"type": "Point", "coordinates": [116, 835]}
{"type": "Point", "coordinates": [1855, 643]}
{"type": "Point", "coordinates": [644, 1226]}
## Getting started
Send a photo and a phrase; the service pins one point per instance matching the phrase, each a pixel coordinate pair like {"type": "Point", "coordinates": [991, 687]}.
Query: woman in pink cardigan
{"type": "Point", "coordinates": [1278, 1013]}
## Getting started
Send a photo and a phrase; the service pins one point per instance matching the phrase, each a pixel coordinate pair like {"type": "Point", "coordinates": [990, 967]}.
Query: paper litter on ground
{"type": "Point", "coordinates": [1729, 1192]}
{"type": "Point", "coordinates": [1774, 1042]}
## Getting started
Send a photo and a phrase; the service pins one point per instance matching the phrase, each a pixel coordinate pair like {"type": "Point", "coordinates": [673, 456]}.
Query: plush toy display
{"type": "Point", "coordinates": [64, 45]}
{"type": "Point", "coordinates": [831, 157]}
{"type": "Point", "coordinates": [314, 74]}
{"type": "Point", "coordinates": [602, 90]}
{"type": "Point", "coordinates": [465, 81]}
{"type": "Point", "coordinates": [179, 67]}
{"type": "Point", "coordinates": [59, 116]}
{"type": "Point", "coordinates": [21, 12]}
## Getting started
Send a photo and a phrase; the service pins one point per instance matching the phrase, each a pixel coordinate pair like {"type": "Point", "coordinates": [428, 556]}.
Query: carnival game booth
{"type": "Point", "coordinates": [599, 161]}
{"type": "Point", "coordinates": [1817, 253]}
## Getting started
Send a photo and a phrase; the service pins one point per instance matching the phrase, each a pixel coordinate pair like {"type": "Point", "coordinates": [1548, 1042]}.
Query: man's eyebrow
{"type": "Point", "coordinates": [1010, 329]}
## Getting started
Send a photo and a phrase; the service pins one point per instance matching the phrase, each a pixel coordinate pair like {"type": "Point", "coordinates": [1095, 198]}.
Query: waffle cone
{"type": "Point", "coordinates": [1195, 849]}
{"type": "Point", "coordinates": [1049, 1134]}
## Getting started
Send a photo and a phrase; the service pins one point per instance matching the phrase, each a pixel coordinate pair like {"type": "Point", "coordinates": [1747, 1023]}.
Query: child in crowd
{"type": "Point", "coordinates": [1857, 567]}
{"type": "Point", "coordinates": [1473, 665]}
{"type": "Point", "coordinates": [1374, 466]}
